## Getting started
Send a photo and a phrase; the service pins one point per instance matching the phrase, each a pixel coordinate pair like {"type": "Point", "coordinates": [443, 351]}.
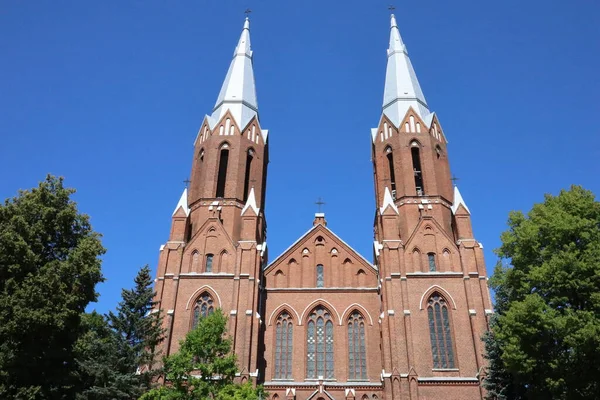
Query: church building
{"type": "Point", "coordinates": [321, 321]}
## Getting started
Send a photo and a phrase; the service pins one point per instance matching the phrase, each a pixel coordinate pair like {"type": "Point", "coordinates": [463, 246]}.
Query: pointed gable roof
{"type": "Point", "coordinates": [183, 204]}
{"type": "Point", "coordinates": [304, 238]}
{"type": "Point", "coordinates": [251, 203]}
{"type": "Point", "coordinates": [402, 88]}
{"type": "Point", "coordinates": [238, 93]}
{"type": "Point", "coordinates": [458, 201]}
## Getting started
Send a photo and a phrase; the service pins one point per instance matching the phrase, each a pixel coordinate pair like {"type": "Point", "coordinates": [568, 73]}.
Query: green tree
{"type": "Point", "coordinates": [204, 367]}
{"type": "Point", "coordinates": [116, 353]}
{"type": "Point", "coordinates": [545, 339]}
{"type": "Point", "coordinates": [139, 325]}
{"type": "Point", "coordinates": [49, 267]}
{"type": "Point", "coordinates": [104, 373]}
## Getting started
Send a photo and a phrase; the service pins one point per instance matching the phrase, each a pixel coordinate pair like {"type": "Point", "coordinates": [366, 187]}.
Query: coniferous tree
{"type": "Point", "coordinates": [139, 326]}
{"type": "Point", "coordinates": [545, 338]}
{"type": "Point", "coordinates": [204, 367]}
{"type": "Point", "coordinates": [49, 267]}
{"type": "Point", "coordinates": [103, 371]}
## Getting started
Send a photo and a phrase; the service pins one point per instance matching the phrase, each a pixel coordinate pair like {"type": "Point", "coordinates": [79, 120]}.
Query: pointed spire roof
{"type": "Point", "coordinates": [250, 202]}
{"type": "Point", "coordinates": [183, 203]}
{"type": "Point", "coordinates": [458, 200]}
{"type": "Point", "coordinates": [238, 93]}
{"type": "Point", "coordinates": [388, 201]}
{"type": "Point", "coordinates": [402, 89]}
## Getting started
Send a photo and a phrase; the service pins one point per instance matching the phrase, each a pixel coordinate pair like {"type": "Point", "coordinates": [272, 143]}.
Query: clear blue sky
{"type": "Point", "coordinates": [110, 95]}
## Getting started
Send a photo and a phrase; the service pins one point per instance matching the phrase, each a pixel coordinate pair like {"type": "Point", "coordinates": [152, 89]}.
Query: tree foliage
{"type": "Point", "coordinates": [117, 353]}
{"type": "Point", "coordinates": [49, 267]}
{"type": "Point", "coordinates": [204, 367]}
{"type": "Point", "coordinates": [545, 341]}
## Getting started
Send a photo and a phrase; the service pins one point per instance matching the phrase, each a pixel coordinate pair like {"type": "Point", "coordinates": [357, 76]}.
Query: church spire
{"type": "Point", "coordinates": [238, 93]}
{"type": "Point", "coordinates": [402, 89]}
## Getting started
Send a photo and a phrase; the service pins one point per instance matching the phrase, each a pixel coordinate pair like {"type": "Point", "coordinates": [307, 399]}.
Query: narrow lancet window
{"type": "Point", "coordinates": [283, 346]}
{"type": "Point", "coordinates": [392, 174]}
{"type": "Point", "coordinates": [249, 158]}
{"type": "Point", "coordinates": [319, 344]}
{"type": "Point", "coordinates": [439, 332]}
{"type": "Point", "coordinates": [203, 308]}
{"type": "Point", "coordinates": [431, 259]}
{"type": "Point", "coordinates": [357, 359]}
{"type": "Point", "coordinates": [209, 263]}
{"type": "Point", "coordinates": [320, 278]}
{"type": "Point", "coordinates": [416, 161]}
{"type": "Point", "coordinates": [222, 178]}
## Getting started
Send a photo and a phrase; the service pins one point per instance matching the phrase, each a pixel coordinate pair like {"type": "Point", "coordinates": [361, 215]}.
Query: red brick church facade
{"type": "Point", "coordinates": [320, 321]}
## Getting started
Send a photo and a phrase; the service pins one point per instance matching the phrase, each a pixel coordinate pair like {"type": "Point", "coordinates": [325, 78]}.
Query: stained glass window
{"type": "Point", "coordinates": [357, 359]}
{"type": "Point", "coordinates": [440, 332]}
{"type": "Point", "coordinates": [203, 307]}
{"type": "Point", "coordinates": [283, 346]}
{"type": "Point", "coordinates": [320, 279]}
{"type": "Point", "coordinates": [319, 349]}
{"type": "Point", "coordinates": [209, 262]}
{"type": "Point", "coordinates": [431, 257]}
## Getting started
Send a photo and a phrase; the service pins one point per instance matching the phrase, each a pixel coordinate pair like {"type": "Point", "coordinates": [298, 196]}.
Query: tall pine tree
{"type": "Point", "coordinates": [139, 325]}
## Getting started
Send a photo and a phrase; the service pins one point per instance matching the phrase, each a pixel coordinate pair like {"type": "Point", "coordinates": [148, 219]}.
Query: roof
{"type": "Point", "coordinates": [238, 93]}
{"type": "Point", "coordinates": [402, 89]}
{"type": "Point", "coordinates": [458, 200]}
{"type": "Point", "coordinates": [307, 233]}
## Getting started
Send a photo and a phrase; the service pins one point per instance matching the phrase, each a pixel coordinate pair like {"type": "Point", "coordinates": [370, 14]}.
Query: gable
{"type": "Point", "coordinates": [342, 266]}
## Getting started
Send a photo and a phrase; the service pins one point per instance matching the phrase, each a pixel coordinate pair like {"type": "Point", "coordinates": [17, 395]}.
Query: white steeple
{"type": "Point", "coordinates": [183, 203]}
{"type": "Point", "coordinates": [458, 200]}
{"type": "Point", "coordinates": [388, 201]}
{"type": "Point", "coordinates": [402, 88]}
{"type": "Point", "coordinates": [238, 93]}
{"type": "Point", "coordinates": [251, 203]}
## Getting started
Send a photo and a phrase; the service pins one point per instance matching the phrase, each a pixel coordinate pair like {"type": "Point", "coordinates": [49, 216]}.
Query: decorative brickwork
{"type": "Point", "coordinates": [321, 321]}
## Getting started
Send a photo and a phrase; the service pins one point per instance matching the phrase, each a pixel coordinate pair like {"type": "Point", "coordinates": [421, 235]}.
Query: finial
{"type": "Point", "coordinates": [454, 179]}
{"type": "Point", "coordinates": [319, 203]}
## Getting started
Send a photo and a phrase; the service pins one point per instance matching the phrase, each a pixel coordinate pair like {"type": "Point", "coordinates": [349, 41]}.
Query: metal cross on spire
{"type": "Point", "coordinates": [391, 8]}
{"type": "Point", "coordinates": [187, 182]}
{"type": "Point", "coordinates": [320, 203]}
{"type": "Point", "coordinates": [247, 12]}
{"type": "Point", "coordinates": [454, 179]}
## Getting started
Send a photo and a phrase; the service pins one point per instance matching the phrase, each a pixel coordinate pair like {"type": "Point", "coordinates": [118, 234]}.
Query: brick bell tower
{"type": "Point", "coordinates": [216, 248]}
{"type": "Point", "coordinates": [434, 294]}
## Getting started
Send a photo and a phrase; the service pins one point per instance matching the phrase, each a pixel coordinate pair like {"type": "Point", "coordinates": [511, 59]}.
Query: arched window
{"type": "Point", "coordinates": [203, 308]}
{"type": "Point", "coordinates": [283, 346]}
{"type": "Point", "coordinates": [249, 158]}
{"type": "Point", "coordinates": [392, 174]}
{"type": "Point", "coordinates": [431, 259]}
{"type": "Point", "coordinates": [440, 333]}
{"type": "Point", "coordinates": [319, 348]}
{"type": "Point", "coordinates": [416, 161]}
{"type": "Point", "coordinates": [320, 277]}
{"type": "Point", "coordinates": [357, 359]}
{"type": "Point", "coordinates": [209, 263]}
{"type": "Point", "coordinates": [222, 177]}
{"type": "Point", "coordinates": [195, 261]}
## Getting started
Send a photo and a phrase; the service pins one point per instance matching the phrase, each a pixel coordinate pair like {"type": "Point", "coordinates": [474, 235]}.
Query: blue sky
{"type": "Point", "coordinates": [110, 95]}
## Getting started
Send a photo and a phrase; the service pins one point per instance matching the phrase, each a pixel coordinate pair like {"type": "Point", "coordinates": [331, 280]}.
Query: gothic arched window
{"type": "Point", "coordinates": [440, 332]}
{"type": "Point", "coordinates": [319, 344]}
{"type": "Point", "coordinates": [249, 157]}
{"type": "Point", "coordinates": [320, 277]}
{"type": "Point", "coordinates": [222, 177]}
{"type": "Point", "coordinates": [357, 358]}
{"type": "Point", "coordinates": [283, 346]}
{"type": "Point", "coordinates": [209, 263]}
{"type": "Point", "coordinates": [431, 260]}
{"type": "Point", "coordinates": [203, 308]}
{"type": "Point", "coordinates": [392, 175]}
{"type": "Point", "coordinates": [418, 172]}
